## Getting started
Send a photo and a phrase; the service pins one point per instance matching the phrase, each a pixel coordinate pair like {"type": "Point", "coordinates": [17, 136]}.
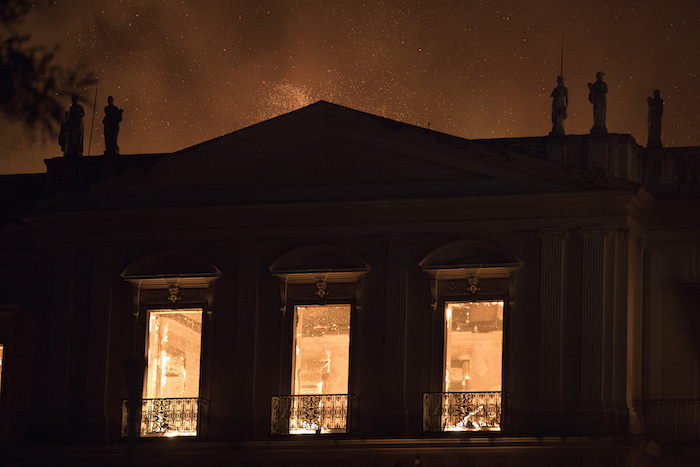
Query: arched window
{"type": "Point", "coordinates": [173, 292]}
{"type": "Point", "coordinates": [321, 291]}
{"type": "Point", "coordinates": [472, 287]}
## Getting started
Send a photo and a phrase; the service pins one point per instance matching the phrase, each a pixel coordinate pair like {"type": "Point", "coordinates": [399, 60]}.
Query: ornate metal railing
{"type": "Point", "coordinates": [318, 413]}
{"type": "Point", "coordinates": [169, 417]}
{"type": "Point", "coordinates": [464, 411]}
{"type": "Point", "coordinates": [667, 419]}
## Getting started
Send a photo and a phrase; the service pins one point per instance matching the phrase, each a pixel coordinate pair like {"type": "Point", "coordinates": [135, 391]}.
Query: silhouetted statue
{"type": "Point", "coordinates": [596, 94]}
{"type": "Point", "coordinates": [656, 111]}
{"type": "Point", "coordinates": [113, 115]}
{"type": "Point", "coordinates": [560, 101]}
{"type": "Point", "coordinates": [63, 136]}
{"type": "Point", "coordinates": [71, 136]}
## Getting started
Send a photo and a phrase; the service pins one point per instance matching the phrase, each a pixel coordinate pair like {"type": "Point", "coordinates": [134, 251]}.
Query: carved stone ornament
{"type": "Point", "coordinates": [174, 294]}
{"type": "Point", "coordinates": [321, 288]}
{"type": "Point", "coordinates": [473, 284]}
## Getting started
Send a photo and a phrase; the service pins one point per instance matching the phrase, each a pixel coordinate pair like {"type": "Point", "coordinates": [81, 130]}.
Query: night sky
{"type": "Point", "coordinates": [185, 72]}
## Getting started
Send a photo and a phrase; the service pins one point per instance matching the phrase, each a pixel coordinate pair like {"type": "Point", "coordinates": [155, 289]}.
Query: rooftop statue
{"type": "Point", "coordinates": [560, 102]}
{"type": "Point", "coordinates": [656, 111]}
{"type": "Point", "coordinates": [596, 94]}
{"type": "Point", "coordinates": [113, 115]}
{"type": "Point", "coordinates": [63, 136]}
{"type": "Point", "coordinates": [71, 135]}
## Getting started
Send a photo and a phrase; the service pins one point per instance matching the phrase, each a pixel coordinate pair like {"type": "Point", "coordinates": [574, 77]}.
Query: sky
{"type": "Point", "coordinates": [185, 71]}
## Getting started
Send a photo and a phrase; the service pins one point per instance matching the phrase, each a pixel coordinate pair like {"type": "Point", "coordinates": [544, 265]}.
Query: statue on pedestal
{"type": "Point", "coordinates": [656, 111]}
{"type": "Point", "coordinates": [596, 95]}
{"type": "Point", "coordinates": [113, 115]}
{"type": "Point", "coordinates": [71, 135]}
{"type": "Point", "coordinates": [560, 102]}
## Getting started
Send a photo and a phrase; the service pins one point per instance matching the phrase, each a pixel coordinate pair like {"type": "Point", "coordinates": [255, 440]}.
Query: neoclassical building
{"type": "Point", "coordinates": [330, 287]}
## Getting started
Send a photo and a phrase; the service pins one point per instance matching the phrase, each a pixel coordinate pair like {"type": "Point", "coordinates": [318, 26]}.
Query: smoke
{"type": "Point", "coordinates": [187, 73]}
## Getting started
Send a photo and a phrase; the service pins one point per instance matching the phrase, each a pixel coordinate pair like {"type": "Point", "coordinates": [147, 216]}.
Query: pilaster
{"type": "Point", "coordinates": [243, 358]}
{"type": "Point", "coordinates": [103, 275]}
{"type": "Point", "coordinates": [395, 330]}
{"type": "Point", "coordinates": [551, 311]}
{"type": "Point", "coordinates": [592, 309]}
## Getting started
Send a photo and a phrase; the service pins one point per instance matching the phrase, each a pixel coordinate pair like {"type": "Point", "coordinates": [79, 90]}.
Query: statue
{"type": "Point", "coordinates": [71, 135]}
{"type": "Point", "coordinates": [113, 115]}
{"type": "Point", "coordinates": [596, 94]}
{"type": "Point", "coordinates": [656, 110]}
{"type": "Point", "coordinates": [63, 136]}
{"type": "Point", "coordinates": [560, 101]}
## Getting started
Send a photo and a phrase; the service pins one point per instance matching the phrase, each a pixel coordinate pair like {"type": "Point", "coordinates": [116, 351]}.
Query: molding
{"type": "Point", "coordinates": [594, 231]}
{"type": "Point", "coordinates": [555, 233]}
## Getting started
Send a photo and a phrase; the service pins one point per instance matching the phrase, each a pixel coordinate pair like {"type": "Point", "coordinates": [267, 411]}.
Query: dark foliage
{"type": "Point", "coordinates": [34, 89]}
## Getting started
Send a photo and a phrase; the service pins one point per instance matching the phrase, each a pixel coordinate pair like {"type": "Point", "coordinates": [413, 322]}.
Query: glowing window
{"type": "Point", "coordinates": [472, 398]}
{"type": "Point", "coordinates": [321, 349]}
{"type": "Point", "coordinates": [173, 354]}
{"type": "Point", "coordinates": [320, 369]}
{"type": "Point", "coordinates": [171, 405]}
{"type": "Point", "coordinates": [473, 346]}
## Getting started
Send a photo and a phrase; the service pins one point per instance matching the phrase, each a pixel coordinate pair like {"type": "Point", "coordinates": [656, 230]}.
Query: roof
{"type": "Point", "coordinates": [327, 152]}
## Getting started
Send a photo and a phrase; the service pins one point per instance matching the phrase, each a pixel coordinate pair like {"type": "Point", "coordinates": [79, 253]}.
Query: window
{"type": "Point", "coordinates": [320, 369]}
{"type": "Point", "coordinates": [321, 292]}
{"type": "Point", "coordinates": [473, 366]}
{"type": "Point", "coordinates": [171, 386]}
{"type": "Point", "coordinates": [321, 349]}
{"type": "Point", "coordinates": [171, 311]}
{"type": "Point", "coordinates": [473, 284]}
{"type": "Point", "coordinates": [473, 346]}
{"type": "Point", "coordinates": [173, 353]}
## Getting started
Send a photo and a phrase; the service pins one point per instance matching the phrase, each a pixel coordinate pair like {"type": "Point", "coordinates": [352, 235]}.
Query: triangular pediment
{"type": "Point", "coordinates": [326, 152]}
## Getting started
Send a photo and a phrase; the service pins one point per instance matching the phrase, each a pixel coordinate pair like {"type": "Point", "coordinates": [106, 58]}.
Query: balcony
{"type": "Point", "coordinates": [312, 414]}
{"type": "Point", "coordinates": [666, 419]}
{"type": "Point", "coordinates": [463, 411]}
{"type": "Point", "coordinates": [169, 417]}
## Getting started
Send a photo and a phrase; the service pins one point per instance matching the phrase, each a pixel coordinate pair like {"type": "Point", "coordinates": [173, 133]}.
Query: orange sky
{"type": "Point", "coordinates": [190, 71]}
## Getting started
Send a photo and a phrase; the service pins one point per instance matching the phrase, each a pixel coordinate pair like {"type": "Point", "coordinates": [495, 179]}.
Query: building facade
{"type": "Point", "coordinates": [331, 286]}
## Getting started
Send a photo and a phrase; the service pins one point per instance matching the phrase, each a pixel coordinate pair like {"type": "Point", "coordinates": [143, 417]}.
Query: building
{"type": "Point", "coordinates": [333, 287]}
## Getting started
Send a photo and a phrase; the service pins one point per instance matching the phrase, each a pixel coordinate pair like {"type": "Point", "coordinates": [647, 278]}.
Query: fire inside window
{"type": "Point", "coordinates": [174, 346]}
{"type": "Point", "coordinates": [473, 365]}
{"type": "Point", "coordinates": [321, 362]}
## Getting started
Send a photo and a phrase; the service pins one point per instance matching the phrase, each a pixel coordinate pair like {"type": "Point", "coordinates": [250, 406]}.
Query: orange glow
{"type": "Point", "coordinates": [322, 349]}
{"type": "Point", "coordinates": [321, 365]}
{"type": "Point", "coordinates": [473, 362]}
{"type": "Point", "coordinates": [173, 353]}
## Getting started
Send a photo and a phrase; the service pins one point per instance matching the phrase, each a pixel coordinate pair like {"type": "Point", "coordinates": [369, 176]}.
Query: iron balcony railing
{"type": "Point", "coordinates": [668, 419]}
{"type": "Point", "coordinates": [169, 417]}
{"type": "Point", "coordinates": [317, 413]}
{"type": "Point", "coordinates": [464, 411]}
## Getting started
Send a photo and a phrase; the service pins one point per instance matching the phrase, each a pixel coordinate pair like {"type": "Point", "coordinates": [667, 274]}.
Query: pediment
{"type": "Point", "coordinates": [326, 152]}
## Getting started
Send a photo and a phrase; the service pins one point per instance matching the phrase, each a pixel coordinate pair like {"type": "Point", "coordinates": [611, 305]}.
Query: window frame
{"type": "Point", "coordinates": [147, 316]}
{"type": "Point", "coordinates": [188, 284]}
{"type": "Point", "coordinates": [456, 290]}
{"type": "Point", "coordinates": [461, 271]}
{"type": "Point", "coordinates": [305, 292]}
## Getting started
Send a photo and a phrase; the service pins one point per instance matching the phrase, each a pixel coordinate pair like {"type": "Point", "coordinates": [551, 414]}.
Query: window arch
{"type": "Point", "coordinates": [472, 284]}
{"type": "Point", "coordinates": [320, 293]}
{"type": "Point", "coordinates": [172, 292]}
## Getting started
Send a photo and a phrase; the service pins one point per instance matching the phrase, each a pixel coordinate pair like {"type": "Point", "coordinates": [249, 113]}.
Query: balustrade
{"type": "Point", "coordinates": [463, 411]}
{"type": "Point", "coordinates": [169, 417]}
